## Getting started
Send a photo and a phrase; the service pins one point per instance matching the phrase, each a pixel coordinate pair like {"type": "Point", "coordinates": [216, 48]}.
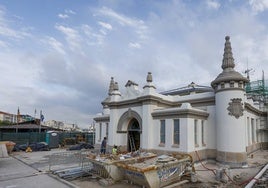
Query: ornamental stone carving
{"type": "Point", "coordinates": [235, 108]}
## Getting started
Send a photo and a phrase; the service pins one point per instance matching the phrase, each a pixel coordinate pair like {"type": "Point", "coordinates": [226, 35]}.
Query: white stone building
{"type": "Point", "coordinates": [61, 125]}
{"type": "Point", "coordinates": [220, 122]}
{"type": "Point", "coordinates": [7, 117]}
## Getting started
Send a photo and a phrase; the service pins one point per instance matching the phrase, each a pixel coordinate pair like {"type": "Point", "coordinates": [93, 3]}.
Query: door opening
{"type": "Point", "coordinates": [134, 136]}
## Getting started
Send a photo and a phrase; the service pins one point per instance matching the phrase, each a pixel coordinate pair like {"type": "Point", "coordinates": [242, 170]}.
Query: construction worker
{"type": "Point", "coordinates": [103, 145]}
{"type": "Point", "coordinates": [28, 149]}
{"type": "Point", "coordinates": [114, 150]}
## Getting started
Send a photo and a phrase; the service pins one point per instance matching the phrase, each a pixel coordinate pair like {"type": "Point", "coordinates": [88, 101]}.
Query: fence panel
{"type": "Point", "coordinates": [23, 138]}
{"type": "Point", "coordinates": [31, 137]}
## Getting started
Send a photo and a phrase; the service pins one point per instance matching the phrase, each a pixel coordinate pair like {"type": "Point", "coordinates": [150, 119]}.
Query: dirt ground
{"type": "Point", "coordinates": [87, 183]}
{"type": "Point", "coordinates": [237, 177]}
{"type": "Point", "coordinates": [205, 172]}
{"type": "Point", "coordinates": [95, 183]}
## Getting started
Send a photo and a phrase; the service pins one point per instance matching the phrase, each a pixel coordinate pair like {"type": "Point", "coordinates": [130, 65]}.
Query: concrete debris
{"type": "Point", "coordinates": [106, 182]}
{"type": "Point", "coordinates": [3, 151]}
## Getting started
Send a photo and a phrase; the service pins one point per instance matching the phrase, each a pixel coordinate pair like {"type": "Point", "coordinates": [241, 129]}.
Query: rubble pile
{"type": "Point", "coordinates": [142, 168]}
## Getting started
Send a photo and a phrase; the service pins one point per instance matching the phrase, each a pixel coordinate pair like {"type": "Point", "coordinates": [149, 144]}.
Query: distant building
{"type": "Point", "coordinates": [15, 118]}
{"type": "Point", "coordinates": [7, 117]}
{"type": "Point", "coordinates": [61, 125]}
{"type": "Point", "coordinates": [55, 124]}
{"type": "Point", "coordinates": [71, 127]}
{"type": "Point", "coordinates": [221, 122]}
{"type": "Point", "coordinates": [26, 118]}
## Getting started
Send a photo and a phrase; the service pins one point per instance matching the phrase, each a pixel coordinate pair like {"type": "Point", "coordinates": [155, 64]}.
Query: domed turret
{"type": "Point", "coordinates": [229, 106]}
{"type": "Point", "coordinates": [228, 75]}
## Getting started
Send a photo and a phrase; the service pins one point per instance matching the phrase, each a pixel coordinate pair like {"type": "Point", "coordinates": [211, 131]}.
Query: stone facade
{"type": "Point", "coordinates": [217, 122]}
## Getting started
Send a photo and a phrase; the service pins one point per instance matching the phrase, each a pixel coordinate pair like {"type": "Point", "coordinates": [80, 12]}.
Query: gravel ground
{"type": "Point", "coordinates": [239, 177]}
{"type": "Point", "coordinates": [206, 178]}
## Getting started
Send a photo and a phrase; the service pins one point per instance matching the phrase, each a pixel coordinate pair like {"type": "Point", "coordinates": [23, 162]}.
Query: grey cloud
{"type": "Point", "coordinates": [69, 77]}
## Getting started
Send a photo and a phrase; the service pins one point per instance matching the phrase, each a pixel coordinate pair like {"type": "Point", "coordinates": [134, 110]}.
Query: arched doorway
{"type": "Point", "coordinates": [133, 135]}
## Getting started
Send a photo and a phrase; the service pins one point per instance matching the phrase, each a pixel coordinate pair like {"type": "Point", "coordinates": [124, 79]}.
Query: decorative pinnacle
{"type": "Point", "coordinates": [116, 88]}
{"type": "Point", "coordinates": [149, 77]}
{"type": "Point", "coordinates": [228, 60]}
{"type": "Point", "coordinates": [111, 87]}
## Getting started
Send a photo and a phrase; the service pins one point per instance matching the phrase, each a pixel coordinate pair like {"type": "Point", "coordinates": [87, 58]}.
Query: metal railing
{"type": "Point", "coordinates": [68, 159]}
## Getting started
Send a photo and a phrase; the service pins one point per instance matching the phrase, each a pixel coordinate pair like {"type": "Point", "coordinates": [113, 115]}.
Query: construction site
{"type": "Point", "coordinates": [82, 169]}
{"type": "Point", "coordinates": [61, 167]}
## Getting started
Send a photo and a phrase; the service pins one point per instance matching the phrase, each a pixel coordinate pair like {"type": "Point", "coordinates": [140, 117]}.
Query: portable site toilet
{"type": "Point", "coordinates": [52, 139]}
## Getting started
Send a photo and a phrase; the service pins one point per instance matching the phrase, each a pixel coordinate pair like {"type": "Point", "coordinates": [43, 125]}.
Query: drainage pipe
{"type": "Point", "coordinates": [252, 182]}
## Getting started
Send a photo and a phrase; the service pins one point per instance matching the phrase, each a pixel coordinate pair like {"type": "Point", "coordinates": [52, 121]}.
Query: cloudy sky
{"type": "Point", "coordinates": [59, 56]}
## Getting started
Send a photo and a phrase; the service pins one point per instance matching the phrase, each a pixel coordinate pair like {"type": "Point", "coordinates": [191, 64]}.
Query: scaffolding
{"type": "Point", "coordinates": [258, 91]}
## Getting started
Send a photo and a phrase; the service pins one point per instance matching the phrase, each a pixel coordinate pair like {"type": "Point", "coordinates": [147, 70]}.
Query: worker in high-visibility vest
{"type": "Point", "coordinates": [28, 149]}
{"type": "Point", "coordinates": [114, 150]}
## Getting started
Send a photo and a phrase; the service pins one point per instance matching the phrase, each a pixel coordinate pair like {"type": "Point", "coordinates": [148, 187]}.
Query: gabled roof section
{"type": "Point", "coordinates": [184, 111]}
{"type": "Point", "coordinates": [130, 83]}
{"type": "Point", "coordinates": [188, 89]}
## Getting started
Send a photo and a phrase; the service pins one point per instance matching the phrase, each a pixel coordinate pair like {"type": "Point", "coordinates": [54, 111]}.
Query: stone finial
{"type": "Point", "coordinates": [149, 77]}
{"type": "Point", "coordinates": [149, 80]}
{"type": "Point", "coordinates": [111, 87]}
{"type": "Point", "coordinates": [228, 60]}
{"type": "Point", "coordinates": [192, 84]}
{"type": "Point", "coordinates": [116, 87]}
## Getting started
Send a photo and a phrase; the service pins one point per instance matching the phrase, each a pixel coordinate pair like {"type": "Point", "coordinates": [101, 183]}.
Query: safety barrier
{"type": "Point", "coordinates": [68, 159]}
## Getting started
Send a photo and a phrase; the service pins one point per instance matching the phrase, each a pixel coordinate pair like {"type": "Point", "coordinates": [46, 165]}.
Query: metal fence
{"type": "Point", "coordinates": [62, 160]}
{"type": "Point", "coordinates": [31, 137]}
{"type": "Point", "coordinates": [23, 138]}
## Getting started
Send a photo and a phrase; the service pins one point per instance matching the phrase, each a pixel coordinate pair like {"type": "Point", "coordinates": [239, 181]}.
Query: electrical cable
{"type": "Point", "coordinates": [213, 170]}
{"type": "Point", "coordinates": [229, 178]}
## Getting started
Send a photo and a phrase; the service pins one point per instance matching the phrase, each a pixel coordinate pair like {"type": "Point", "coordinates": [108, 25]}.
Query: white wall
{"type": "Point", "coordinates": [230, 131]}
{"type": "Point", "coordinates": [210, 128]}
{"type": "Point", "coordinates": [147, 136]}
